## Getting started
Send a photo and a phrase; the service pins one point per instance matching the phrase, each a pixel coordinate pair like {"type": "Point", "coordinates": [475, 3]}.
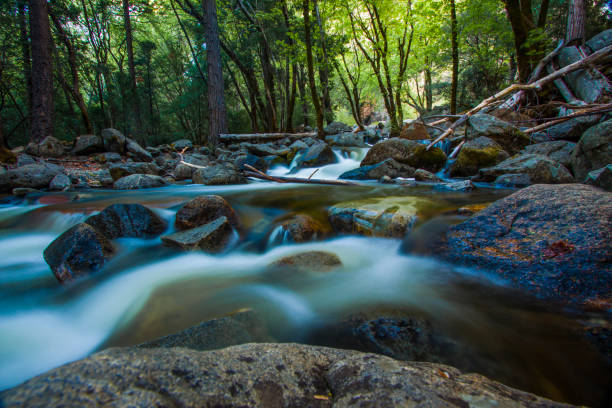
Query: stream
{"type": "Point", "coordinates": [149, 290]}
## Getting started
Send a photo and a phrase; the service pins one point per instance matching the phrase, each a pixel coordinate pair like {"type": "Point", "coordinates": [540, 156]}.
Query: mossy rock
{"type": "Point", "coordinates": [408, 152]}
{"type": "Point", "coordinates": [476, 154]}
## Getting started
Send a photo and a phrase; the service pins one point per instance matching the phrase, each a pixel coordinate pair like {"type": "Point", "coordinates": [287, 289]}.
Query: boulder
{"type": "Point", "coordinates": [137, 151]}
{"type": "Point", "coordinates": [388, 167]}
{"type": "Point", "coordinates": [213, 237]}
{"type": "Point", "coordinates": [593, 151]}
{"type": "Point", "coordinates": [78, 252]}
{"type": "Point", "coordinates": [300, 228]}
{"type": "Point", "coordinates": [414, 130]}
{"type": "Point", "coordinates": [540, 169]}
{"type": "Point", "coordinates": [318, 154]}
{"type": "Point", "coordinates": [266, 149]}
{"type": "Point", "coordinates": [114, 141]}
{"type": "Point", "coordinates": [87, 144]}
{"type": "Point", "coordinates": [508, 136]}
{"type": "Point", "coordinates": [138, 181]}
{"type": "Point", "coordinates": [204, 209]}
{"type": "Point", "coordinates": [601, 178]}
{"type": "Point", "coordinates": [60, 182]}
{"type": "Point", "coordinates": [382, 217]}
{"type": "Point", "coordinates": [476, 154]}
{"type": "Point", "coordinates": [181, 144]}
{"type": "Point", "coordinates": [408, 152]}
{"type": "Point", "coordinates": [513, 180]}
{"type": "Point", "coordinates": [48, 147]}
{"type": "Point", "coordinates": [305, 262]}
{"type": "Point", "coordinates": [424, 175]}
{"type": "Point", "coordinates": [347, 139]}
{"type": "Point", "coordinates": [24, 159]}
{"type": "Point", "coordinates": [587, 85]}
{"type": "Point", "coordinates": [253, 161]}
{"type": "Point", "coordinates": [90, 178]}
{"type": "Point", "coordinates": [336, 127]}
{"type": "Point", "coordinates": [551, 240]}
{"type": "Point", "coordinates": [32, 175]}
{"type": "Point", "coordinates": [571, 129]}
{"type": "Point", "coordinates": [219, 174]}
{"type": "Point", "coordinates": [559, 151]}
{"type": "Point", "coordinates": [127, 220]}
{"type": "Point", "coordinates": [260, 375]}
{"type": "Point", "coordinates": [120, 170]}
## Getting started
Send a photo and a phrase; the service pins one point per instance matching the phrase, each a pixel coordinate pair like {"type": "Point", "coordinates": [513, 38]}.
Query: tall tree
{"type": "Point", "coordinates": [455, 52]}
{"type": "Point", "coordinates": [131, 66]}
{"type": "Point", "coordinates": [311, 76]}
{"type": "Point", "coordinates": [216, 99]}
{"type": "Point", "coordinates": [42, 71]}
{"type": "Point", "coordinates": [576, 29]}
{"type": "Point", "coordinates": [25, 53]}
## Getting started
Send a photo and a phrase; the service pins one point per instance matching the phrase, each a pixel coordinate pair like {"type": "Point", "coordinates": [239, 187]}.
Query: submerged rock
{"type": "Point", "coordinates": [550, 240]}
{"type": "Point", "coordinates": [78, 252]}
{"type": "Point", "coordinates": [389, 167]}
{"type": "Point", "coordinates": [127, 220]}
{"type": "Point", "coordinates": [540, 169]}
{"type": "Point", "coordinates": [313, 261]}
{"type": "Point", "coordinates": [593, 151]}
{"type": "Point", "coordinates": [476, 154]}
{"type": "Point", "coordinates": [212, 237]}
{"type": "Point", "coordinates": [138, 181]}
{"type": "Point", "coordinates": [204, 209]}
{"type": "Point", "coordinates": [408, 152]}
{"type": "Point", "coordinates": [260, 375]}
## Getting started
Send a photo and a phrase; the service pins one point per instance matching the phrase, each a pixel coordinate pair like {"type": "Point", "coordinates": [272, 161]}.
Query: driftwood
{"type": "Point", "coordinates": [231, 137]}
{"type": "Point", "coordinates": [578, 113]}
{"type": "Point", "coordinates": [253, 172]}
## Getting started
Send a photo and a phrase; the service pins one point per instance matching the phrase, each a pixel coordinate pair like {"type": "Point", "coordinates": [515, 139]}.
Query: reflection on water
{"type": "Point", "coordinates": [149, 291]}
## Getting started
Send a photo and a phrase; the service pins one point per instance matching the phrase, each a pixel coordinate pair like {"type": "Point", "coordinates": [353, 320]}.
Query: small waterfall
{"type": "Point", "coordinates": [348, 159]}
{"type": "Point", "coordinates": [279, 236]}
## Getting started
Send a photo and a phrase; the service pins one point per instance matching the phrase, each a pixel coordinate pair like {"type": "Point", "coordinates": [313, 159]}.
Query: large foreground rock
{"type": "Point", "coordinates": [593, 151]}
{"type": "Point", "coordinates": [408, 152]}
{"type": "Point", "coordinates": [539, 168]}
{"type": "Point", "coordinates": [213, 237]}
{"type": "Point", "coordinates": [260, 375]}
{"type": "Point", "coordinates": [127, 220]}
{"type": "Point", "coordinates": [204, 209]}
{"type": "Point", "coordinates": [551, 240]}
{"type": "Point", "coordinates": [77, 252]}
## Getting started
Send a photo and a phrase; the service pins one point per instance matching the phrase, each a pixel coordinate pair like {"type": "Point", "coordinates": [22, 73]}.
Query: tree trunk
{"type": "Point", "coordinates": [521, 25]}
{"type": "Point", "coordinates": [455, 52]}
{"type": "Point", "coordinates": [25, 52]}
{"type": "Point", "coordinates": [311, 77]}
{"type": "Point", "coordinates": [575, 32]}
{"type": "Point", "coordinates": [42, 72]}
{"type": "Point", "coordinates": [216, 100]}
{"type": "Point", "coordinates": [428, 90]}
{"type": "Point", "coordinates": [324, 69]}
{"type": "Point", "coordinates": [131, 67]}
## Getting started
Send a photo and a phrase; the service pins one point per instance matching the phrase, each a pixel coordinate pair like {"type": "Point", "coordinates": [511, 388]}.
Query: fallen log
{"type": "Point", "coordinates": [582, 112]}
{"type": "Point", "coordinates": [253, 172]}
{"type": "Point", "coordinates": [232, 137]}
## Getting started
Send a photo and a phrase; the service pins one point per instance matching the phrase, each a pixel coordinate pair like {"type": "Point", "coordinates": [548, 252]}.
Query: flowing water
{"type": "Point", "coordinates": [148, 290]}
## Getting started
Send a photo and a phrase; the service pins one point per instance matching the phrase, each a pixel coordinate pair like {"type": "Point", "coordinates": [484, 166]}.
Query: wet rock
{"type": "Point", "coordinates": [336, 127]}
{"type": "Point", "coordinates": [424, 175]}
{"type": "Point", "coordinates": [180, 145]}
{"type": "Point", "coordinates": [32, 175]}
{"type": "Point", "coordinates": [513, 180]}
{"type": "Point", "coordinates": [120, 170]}
{"type": "Point", "coordinates": [87, 144]}
{"type": "Point", "coordinates": [48, 147]}
{"type": "Point", "coordinates": [78, 252]}
{"type": "Point", "coordinates": [409, 152]}
{"type": "Point", "coordinates": [381, 217]}
{"type": "Point", "coordinates": [114, 141]}
{"type": "Point", "coordinates": [540, 169]}
{"type": "Point", "coordinates": [301, 228]}
{"type": "Point", "coordinates": [601, 178]}
{"type": "Point", "coordinates": [476, 154]}
{"type": "Point", "coordinates": [24, 159]}
{"type": "Point", "coordinates": [204, 209]}
{"type": "Point", "coordinates": [138, 181]}
{"type": "Point", "coordinates": [347, 139]}
{"type": "Point", "coordinates": [127, 220]}
{"type": "Point", "coordinates": [414, 130]}
{"type": "Point", "coordinates": [212, 237]}
{"type": "Point", "coordinates": [137, 151]}
{"type": "Point", "coordinates": [464, 186]}
{"type": "Point", "coordinates": [260, 375]}
{"type": "Point", "coordinates": [107, 157]}
{"type": "Point", "coordinates": [317, 155]}
{"type": "Point", "coordinates": [389, 167]}
{"type": "Point", "coordinates": [571, 129]}
{"type": "Point", "coordinates": [219, 174]}
{"type": "Point", "coordinates": [559, 151]}
{"type": "Point", "coordinates": [593, 151]}
{"type": "Point", "coordinates": [253, 161]}
{"type": "Point", "coordinates": [313, 261]}
{"type": "Point", "coordinates": [508, 136]}
{"type": "Point", "coordinates": [238, 328]}
{"type": "Point", "coordinates": [183, 171]}
{"type": "Point", "coordinates": [550, 240]}
{"type": "Point", "coordinates": [60, 182]}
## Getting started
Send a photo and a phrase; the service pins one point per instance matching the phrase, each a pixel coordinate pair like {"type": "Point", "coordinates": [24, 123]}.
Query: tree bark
{"type": "Point", "coordinates": [328, 114]}
{"type": "Point", "coordinates": [576, 30]}
{"type": "Point", "coordinates": [42, 72]}
{"type": "Point", "coordinates": [131, 66]}
{"type": "Point", "coordinates": [25, 52]}
{"type": "Point", "coordinates": [455, 52]}
{"type": "Point", "coordinates": [311, 77]}
{"type": "Point", "coordinates": [216, 100]}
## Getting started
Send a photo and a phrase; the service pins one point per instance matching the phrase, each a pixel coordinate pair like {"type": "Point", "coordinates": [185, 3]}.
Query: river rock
{"type": "Point", "coordinates": [540, 169]}
{"type": "Point", "coordinates": [260, 375]}
{"type": "Point", "coordinates": [513, 180]}
{"type": "Point", "coordinates": [347, 139]}
{"type": "Point", "coordinates": [601, 178]}
{"type": "Point", "coordinates": [107, 157]}
{"type": "Point", "coordinates": [464, 186]}
{"type": "Point", "coordinates": [23, 159]}
{"type": "Point", "coordinates": [114, 141]}
{"type": "Point", "coordinates": [593, 151]}
{"type": "Point", "coordinates": [87, 144]}
{"type": "Point", "coordinates": [120, 170]}
{"type": "Point", "coordinates": [138, 181]}
{"type": "Point", "coordinates": [204, 209]}
{"type": "Point", "coordinates": [301, 228]}
{"type": "Point", "coordinates": [78, 252]}
{"type": "Point", "coordinates": [508, 136]}
{"type": "Point", "coordinates": [336, 127]}
{"type": "Point", "coordinates": [476, 154]}
{"type": "Point", "coordinates": [212, 237]}
{"type": "Point", "coordinates": [267, 149]}
{"type": "Point", "coordinates": [32, 175]}
{"type": "Point", "coordinates": [253, 161]}
{"type": "Point", "coordinates": [127, 220]}
{"type": "Point", "coordinates": [60, 182]}
{"type": "Point", "coordinates": [238, 328]}
{"type": "Point", "coordinates": [318, 154]}
{"type": "Point", "coordinates": [408, 152]}
{"type": "Point", "coordinates": [313, 261]}
{"type": "Point", "coordinates": [389, 167]}
{"type": "Point", "coordinates": [89, 178]}
{"type": "Point", "coordinates": [137, 151]}
{"type": "Point", "coordinates": [550, 240]}
{"type": "Point", "coordinates": [424, 175]}
{"type": "Point", "coordinates": [48, 147]}
{"type": "Point", "coordinates": [181, 144]}
{"type": "Point", "coordinates": [382, 217]}
{"type": "Point", "coordinates": [219, 174]}
{"type": "Point", "coordinates": [558, 150]}
{"type": "Point", "coordinates": [414, 130]}
{"type": "Point", "coordinates": [571, 129]}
